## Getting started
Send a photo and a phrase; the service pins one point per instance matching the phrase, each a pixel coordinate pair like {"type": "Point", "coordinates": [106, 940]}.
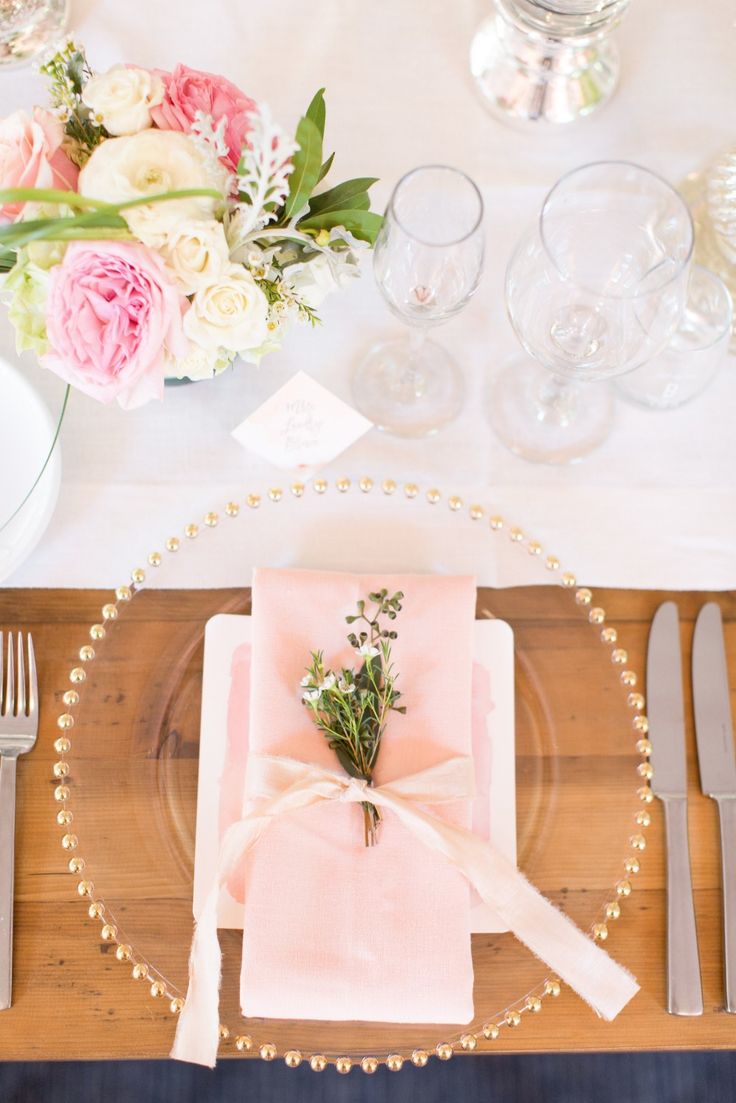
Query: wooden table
{"type": "Point", "coordinates": [73, 1000]}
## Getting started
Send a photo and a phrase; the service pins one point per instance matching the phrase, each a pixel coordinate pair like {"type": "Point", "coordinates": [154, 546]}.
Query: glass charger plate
{"type": "Point", "coordinates": [127, 770]}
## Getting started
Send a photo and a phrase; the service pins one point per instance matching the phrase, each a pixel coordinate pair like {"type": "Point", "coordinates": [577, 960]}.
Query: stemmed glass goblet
{"type": "Point", "coordinates": [427, 261]}
{"type": "Point", "coordinates": [595, 289]}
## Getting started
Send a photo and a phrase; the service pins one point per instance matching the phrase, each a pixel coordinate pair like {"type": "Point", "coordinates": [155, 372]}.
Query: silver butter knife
{"type": "Point", "coordinates": [665, 710]}
{"type": "Point", "coordinates": [714, 731]}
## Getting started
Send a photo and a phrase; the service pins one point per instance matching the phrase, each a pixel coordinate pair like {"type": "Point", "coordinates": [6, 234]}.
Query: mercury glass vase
{"type": "Point", "coordinates": [546, 61]}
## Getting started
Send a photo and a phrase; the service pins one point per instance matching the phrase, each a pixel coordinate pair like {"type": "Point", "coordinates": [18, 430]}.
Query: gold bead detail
{"type": "Point", "coordinates": [388, 486]}
{"type": "Point", "coordinates": [110, 611]}
{"type": "Point", "coordinates": [455, 503]}
{"type": "Point", "coordinates": [638, 842]}
{"type": "Point", "coordinates": [613, 910]}
{"type": "Point", "coordinates": [292, 1059]}
{"type": "Point", "coordinates": [154, 559]}
{"type": "Point", "coordinates": [211, 519]}
{"type": "Point", "coordinates": [369, 1065]}
{"type": "Point", "coordinates": [137, 575]}
{"type": "Point", "coordinates": [552, 987]}
{"type": "Point", "coordinates": [534, 547]}
{"type": "Point", "coordinates": [640, 724]}
{"type": "Point", "coordinates": [569, 580]}
{"type": "Point", "coordinates": [476, 513]}
{"type": "Point", "coordinates": [635, 701]}
{"type": "Point", "coordinates": [76, 865]}
{"type": "Point", "coordinates": [645, 794]}
{"type": "Point", "coordinates": [343, 485]}
{"type": "Point", "coordinates": [496, 522]}
{"type": "Point", "coordinates": [491, 1031]}
{"type": "Point", "coordinates": [191, 531]}
{"type": "Point", "coordinates": [596, 615]}
{"type": "Point", "coordinates": [419, 1057]}
{"type": "Point", "coordinates": [176, 1006]}
{"type": "Point", "coordinates": [123, 593]}
{"type": "Point", "coordinates": [644, 746]}
{"type": "Point", "coordinates": [609, 635]}
{"type": "Point", "coordinates": [645, 770]}
{"type": "Point", "coordinates": [318, 1063]}
{"type": "Point", "coordinates": [96, 910]}
{"type": "Point", "coordinates": [628, 678]}
{"type": "Point", "coordinates": [173, 544]}
{"type": "Point", "coordinates": [632, 864]}
{"type": "Point", "coordinates": [86, 653]}
{"type": "Point", "coordinates": [61, 769]}
{"type": "Point", "coordinates": [123, 952]}
{"type": "Point", "coordinates": [394, 1062]}
{"type": "Point", "coordinates": [552, 563]}
{"type": "Point", "coordinates": [275, 494]}
{"type": "Point", "coordinates": [65, 721]}
{"type": "Point", "coordinates": [468, 1041]}
{"type": "Point", "coordinates": [62, 792]}
{"type": "Point", "coordinates": [513, 1018]}
{"type": "Point", "coordinates": [158, 990]}
{"type": "Point", "coordinates": [411, 490]}
{"type": "Point", "coordinates": [64, 817]}
{"type": "Point", "coordinates": [297, 489]}
{"type": "Point", "coordinates": [232, 509]}
{"type": "Point", "coordinates": [71, 697]}
{"type": "Point", "coordinates": [243, 1042]}
{"type": "Point", "coordinates": [623, 888]}
{"type": "Point", "coordinates": [85, 888]}
{"type": "Point", "coordinates": [343, 1065]}
{"type": "Point", "coordinates": [644, 818]}
{"type": "Point", "coordinates": [444, 1051]}
{"type": "Point", "coordinates": [516, 535]}
{"type": "Point", "coordinates": [223, 1032]}
{"type": "Point", "coordinates": [319, 486]}
{"type": "Point", "coordinates": [268, 1051]}
{"type": "Point", "coordinates": [433, 496]}
{"type": "Point", "coordinates": [253, 501]}
{"type": "Point", "coordinates": [366, 484]}
{"type": "Point", "coordinates": [97, 632]}
{"type": "Point", "coordinates": [533, 1003]}
{"type": "Point", "coordinates": [619, 656]}
{"type": "Point", "coordinates": [600, 932]}
{"type": "Point", "coordinates": [140, 970]}
{"type": "Point", "coordinates": [62, 745]}
{"type": "Point", "coordinates": [77, 675]}
{"type": "Point", "coordinates": [583, 596]}
{"type": "Point", "coordinates": [109, 932]}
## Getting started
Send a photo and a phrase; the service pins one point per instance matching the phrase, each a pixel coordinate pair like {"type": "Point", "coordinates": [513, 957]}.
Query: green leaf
{"type": "Point", "coordinates": [307, 162]}
{"type": "Point", "coordinates": [317, 111]}
{"type": "Point", "coordinates": [363, 224]}
{"type": "Point", "coordinates": [325, 168]}
{"type": "Point", "coordinates": [49, 195]}
{"type": "Point", "coordinates": [352, 195]}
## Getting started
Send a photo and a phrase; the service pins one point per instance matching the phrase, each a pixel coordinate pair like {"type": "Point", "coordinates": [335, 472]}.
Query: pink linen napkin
{"type": "Point", "coordinates": [333, 930]}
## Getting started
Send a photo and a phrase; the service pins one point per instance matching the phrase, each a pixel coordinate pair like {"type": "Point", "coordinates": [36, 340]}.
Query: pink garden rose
{"type": "Point", "coordinates": [187, 91]}
{"type": "Point", "coordinates": [31, 156]}
{"type": "Point", "coordinates": [112, 318]}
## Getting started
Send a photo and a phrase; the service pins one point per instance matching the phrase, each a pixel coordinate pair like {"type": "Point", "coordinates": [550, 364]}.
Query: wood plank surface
{"type": "Point", "coordinates": [73, 999]}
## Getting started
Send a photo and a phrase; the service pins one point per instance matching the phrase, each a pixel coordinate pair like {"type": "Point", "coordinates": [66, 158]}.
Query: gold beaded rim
{"type": "Point", "coordinates": [467, 1040]}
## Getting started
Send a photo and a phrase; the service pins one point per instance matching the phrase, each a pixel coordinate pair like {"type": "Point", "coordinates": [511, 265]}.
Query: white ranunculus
{"type": "Point", "coordinates": [199, 363]}
{"type": "Point", "coordinates": [197, 254]}
{"type": "Point", "coordinates": [149, 163]}
{"type": "Point", "coordinates": [122, 98]}
{"type": "Point", "coordinates": [231, 313]}
{"type": "Point", "coordinates": [313, 280]}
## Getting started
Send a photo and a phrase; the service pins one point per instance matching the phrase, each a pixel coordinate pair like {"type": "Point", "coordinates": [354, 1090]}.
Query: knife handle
{"type": "Point", "coordinates": [727, 816]}
{"type": "Point", "coordinates": [684, 991]}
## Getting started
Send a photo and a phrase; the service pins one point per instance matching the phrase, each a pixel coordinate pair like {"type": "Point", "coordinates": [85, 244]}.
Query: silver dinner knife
{"type": "Point", "coordinates": [666, 714]}
{"type": "Point", "coordinates": [714, 731]}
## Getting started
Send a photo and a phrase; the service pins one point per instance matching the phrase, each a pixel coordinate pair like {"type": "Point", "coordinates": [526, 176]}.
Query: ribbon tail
{"type": "Point", "coordinates": [543, 928]}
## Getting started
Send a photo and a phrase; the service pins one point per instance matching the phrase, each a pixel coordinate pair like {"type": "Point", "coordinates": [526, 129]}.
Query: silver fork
{"type": "Point", "coordinates": [18, 731]}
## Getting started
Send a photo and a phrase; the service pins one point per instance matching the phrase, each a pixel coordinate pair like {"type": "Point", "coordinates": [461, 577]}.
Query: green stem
{"type": "Point", "coordinates": [45, 462]}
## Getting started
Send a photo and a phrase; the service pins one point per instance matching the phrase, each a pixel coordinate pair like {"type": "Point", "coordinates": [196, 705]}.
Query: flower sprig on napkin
{"type": "Point", "coordinates": [351, 706]}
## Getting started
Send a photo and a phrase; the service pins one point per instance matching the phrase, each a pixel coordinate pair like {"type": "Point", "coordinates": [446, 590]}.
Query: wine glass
{"type": "Point", "coordinates": [427, 261]}
{"type": "Point", "coordinates": [28, 27]}
{"type": "Point", "coordinates": [595, 289]}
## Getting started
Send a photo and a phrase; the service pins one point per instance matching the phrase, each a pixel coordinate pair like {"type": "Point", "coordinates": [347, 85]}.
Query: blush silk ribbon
{"type": "Point", "coordinates": [280, 785]}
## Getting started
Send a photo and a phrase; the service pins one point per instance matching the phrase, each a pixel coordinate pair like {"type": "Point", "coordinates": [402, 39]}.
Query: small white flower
{"type": "Point", "coordinates": [346, 687]}
{"type": "Point", "coordinates": [327, 683]}
{"type": "Point", "coordinates": [307, 680]}
{"type": "Point", "coordinates": [311, 695]}
{"type": "Point", "coordinates": [367, 651]}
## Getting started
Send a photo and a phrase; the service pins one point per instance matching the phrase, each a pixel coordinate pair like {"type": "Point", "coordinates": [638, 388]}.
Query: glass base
{"type": "Point", "coordinates": [549, 420]}
{"type": "Point", "coordinates": [409, 399]}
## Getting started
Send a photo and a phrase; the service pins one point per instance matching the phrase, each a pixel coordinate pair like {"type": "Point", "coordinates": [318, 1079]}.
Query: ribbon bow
{"type": "Point", "coordinates": [280, 785]}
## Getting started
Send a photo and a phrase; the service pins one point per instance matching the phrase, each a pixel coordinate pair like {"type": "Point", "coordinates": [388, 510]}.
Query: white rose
{"type": "Point", "coordinates": [149, 163]}
{"type": "Point", "coordinates": [197, 254]}
{"type": "Point", "coordinates": [231, 313]}
{"type": "Point", "coordinates": [313, 280]}
{"type": "Point", "coordinates": [122, 98]}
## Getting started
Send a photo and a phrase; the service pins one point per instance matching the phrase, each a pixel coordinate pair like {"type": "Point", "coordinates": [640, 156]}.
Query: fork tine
{"type": "Point", "coordinates": [20, 702]}
{"type": "Point", "coordinates": [9, 680]}
{"type": "Point", "coordinates": [32, 678]}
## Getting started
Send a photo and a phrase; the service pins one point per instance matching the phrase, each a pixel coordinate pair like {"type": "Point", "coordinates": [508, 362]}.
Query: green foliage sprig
{"type": "Point", "coordinates": [68, 71]}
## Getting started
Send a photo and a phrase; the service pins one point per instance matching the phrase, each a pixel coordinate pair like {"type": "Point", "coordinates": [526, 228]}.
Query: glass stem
{"type": "Point", "coordinates": [410, 381]}
{"type": "Point", "coordinates": [557, 399]}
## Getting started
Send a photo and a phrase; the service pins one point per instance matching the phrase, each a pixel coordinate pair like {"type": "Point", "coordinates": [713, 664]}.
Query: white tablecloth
{"type": "Point", "coordinates": [654, 507]}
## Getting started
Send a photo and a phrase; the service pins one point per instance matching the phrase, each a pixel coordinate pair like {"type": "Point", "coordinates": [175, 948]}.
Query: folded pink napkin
{"type": "Point", "coordinates": [334, 930]}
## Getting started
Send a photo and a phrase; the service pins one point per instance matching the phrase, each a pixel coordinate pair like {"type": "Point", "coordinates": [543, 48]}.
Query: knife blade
{"type": "Point", "coordinates": [717, 764]}
{"type": "Point", "coordinates": [666, 714]}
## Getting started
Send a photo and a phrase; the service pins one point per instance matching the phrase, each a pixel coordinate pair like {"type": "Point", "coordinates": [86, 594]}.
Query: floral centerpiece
{"type": "Point", "coordinates": [160, 224]}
